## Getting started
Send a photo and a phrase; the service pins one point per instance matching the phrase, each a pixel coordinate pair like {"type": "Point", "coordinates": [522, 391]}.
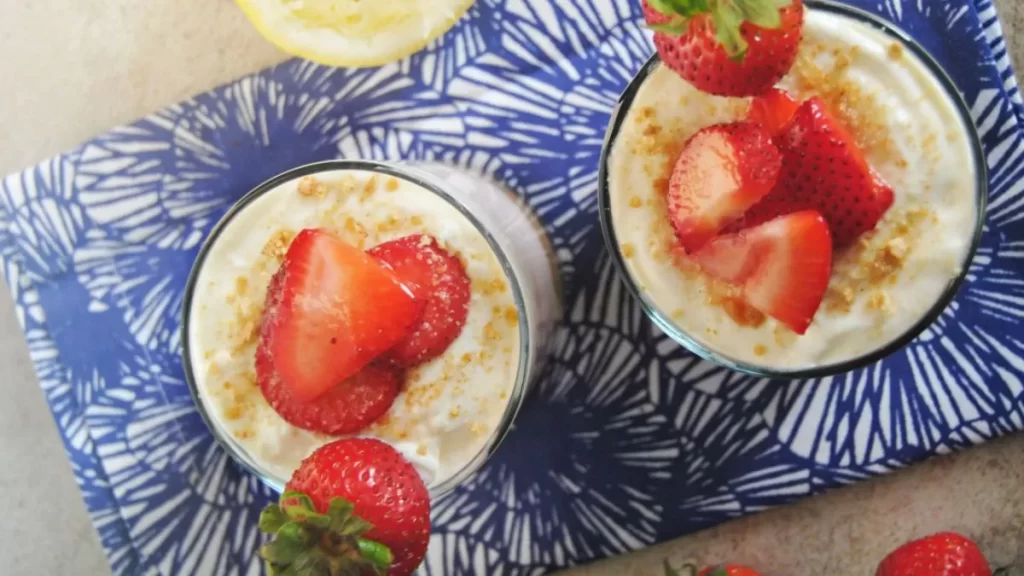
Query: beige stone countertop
{"type": "Point", "coordinates": [72, 69]}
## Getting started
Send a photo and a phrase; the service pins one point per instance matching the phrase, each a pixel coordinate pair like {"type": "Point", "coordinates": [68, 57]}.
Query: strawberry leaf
{"type": "Point", "coordinates": [272, 518]}
{"type": "Point", "coordinates": [684, 8]}
{"type": "Point", "coordinates": [673, 28]}
{"type": "Point", "coordinates": [763, 13]}
{"type": "Point", "coordinates": [728, 18]}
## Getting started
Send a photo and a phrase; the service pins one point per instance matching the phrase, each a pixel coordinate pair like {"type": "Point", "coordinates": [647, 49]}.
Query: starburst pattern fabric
{"type": "Point", "coordinates": [628, 440]}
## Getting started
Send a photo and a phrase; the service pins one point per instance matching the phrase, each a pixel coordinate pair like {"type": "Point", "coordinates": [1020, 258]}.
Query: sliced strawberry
{"type": "Point", "coordinates": [823, 169]}
{"type": "Point", "coordinates": [346, 408]}
{"type": "Point", "coordinates": [722, 171]}
{"type": "Point", "coordinates": [438, 278]}
{"type": "Point", "coordinates": [773, 110]}
{"type": "Point", "coordinates": [782, 266]}
{"type": "Point", "coordinates": [323, 320]}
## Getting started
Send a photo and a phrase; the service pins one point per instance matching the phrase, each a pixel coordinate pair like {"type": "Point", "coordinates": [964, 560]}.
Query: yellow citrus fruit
{"type": "Point", "coordinates": [353, 32]}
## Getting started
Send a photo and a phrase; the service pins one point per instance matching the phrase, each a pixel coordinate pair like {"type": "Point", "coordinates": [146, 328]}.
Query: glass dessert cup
{"type": "Point", "coordinates": [518, 245]}
{"type": "Point", "coordinates": [666, 317]}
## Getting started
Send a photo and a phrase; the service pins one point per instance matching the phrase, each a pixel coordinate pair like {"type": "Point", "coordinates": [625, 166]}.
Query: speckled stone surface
{"type": "Point", "coordinates": [73, 69]}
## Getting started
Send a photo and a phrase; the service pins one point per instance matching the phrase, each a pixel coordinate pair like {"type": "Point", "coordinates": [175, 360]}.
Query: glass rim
{"type": "Point", "coordinates": [682, 337]}
{"type": "Point", "coordinates": [427, 181]}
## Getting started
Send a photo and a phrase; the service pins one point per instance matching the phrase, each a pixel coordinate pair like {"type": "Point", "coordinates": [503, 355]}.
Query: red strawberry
{"type": "Point", "coordinates": [773, 110]}
{"type": "Point", "coordinates": [722, 171]}
{"type": "Point", "coordinates": [823, 170]}
{"type": "Point", "coordinates": [346, 408]}
{"type": "Point", "coordinates": [728, 570]}
{"type": "Point", "coordinates": [323, 320]}
{"type": "Point", "coordinates": [943, 554]}
{"type": "Point", "coordinates": [436, 277]}
{"type": "Point", "coordinates": [354, 506]}
{"type": "Point", "coordinates": [782, 266]}
{"type": "Point", "coordinates": [722, 570]}
{"type": "Point", "coordinates": [736, 48]}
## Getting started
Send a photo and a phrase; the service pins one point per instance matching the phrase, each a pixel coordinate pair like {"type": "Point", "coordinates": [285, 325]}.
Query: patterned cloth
{"type": "Point", "coordinates": [628, 441]}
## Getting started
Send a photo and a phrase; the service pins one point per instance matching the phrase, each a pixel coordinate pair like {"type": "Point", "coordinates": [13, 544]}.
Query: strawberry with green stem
{"type": "Point", "coordinates": [353, 507]}
{"type": "Point", "coordinates": [727, 47]}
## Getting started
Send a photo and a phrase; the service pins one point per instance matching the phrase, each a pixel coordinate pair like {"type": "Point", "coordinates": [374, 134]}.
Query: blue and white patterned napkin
{"type": "Point", "coordinates": [627, 442]}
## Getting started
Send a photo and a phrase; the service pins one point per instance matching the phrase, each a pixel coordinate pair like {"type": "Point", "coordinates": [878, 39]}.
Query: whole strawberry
{"type": "Point", "coordinates": [727, 47]}
{"type": "Point", "coordinates": [354, 506]}
{"type": "Point", "coordinates": [943, 554]}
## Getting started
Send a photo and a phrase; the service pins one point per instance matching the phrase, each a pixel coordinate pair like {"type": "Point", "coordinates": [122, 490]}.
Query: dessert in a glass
{"type": "Point", "coordinates": [791, 199]}
{"type": "Point", "coordinates": [409, 302]}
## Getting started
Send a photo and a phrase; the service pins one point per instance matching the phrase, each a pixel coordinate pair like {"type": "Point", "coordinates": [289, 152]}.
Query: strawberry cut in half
{"type": "Point", "coordinates": [347, 408]}
{"type": "Point", "coordinates": [323, 320]}
{"type": "Point", "coordinates": [773, 110]}
{"type": "Point", "coordinates": [823, 169]}
{"type": "Point", "coordinates": [737, 48]}
{"type": "Point", "coordinates": [439, 279]}
{"type": "Point", "coordinates": [782, 266]}
{"type": "Point", "coordinates": [722, 171]}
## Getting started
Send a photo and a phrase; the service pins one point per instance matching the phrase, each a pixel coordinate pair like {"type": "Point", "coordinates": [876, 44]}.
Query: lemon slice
{"type": "Point", "coordinates": [353, 32]}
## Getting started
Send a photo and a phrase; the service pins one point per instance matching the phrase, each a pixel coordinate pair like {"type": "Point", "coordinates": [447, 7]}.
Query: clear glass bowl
{"type": "Point", "coordinates": [663, 321]}
{"type": "Point", "coordinates": [518, 243]}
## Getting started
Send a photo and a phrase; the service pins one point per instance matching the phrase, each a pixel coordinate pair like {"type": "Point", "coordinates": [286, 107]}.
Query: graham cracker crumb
{"type": "Point", "coordinates": [277, 246]}
{"type": "Point", "coordinates": [895, 51]}
{"type": "Point", "coordinates": [421, 450]}
{"type": "Point", "coordinates": [391, 184]}
{"type": "Point", "coordinates": [627, 250]}
{"type": "Point", "coordinates": [635, 202]}
{"type": "Point", "coordinates": [839, 299]}
{"type": "Point", "coordinates": [416, 221]}
{"type": "Point", "coordinates": [310, 186]}
{"type": "Point", "coordinates": [880, 301]}
{"type": "Point", "coordinates": [354, 232]}
{"type": "Point", "coordinates": [489, 287]}
{"type": "Point", "coordinates": [742, 313]}
{"type": "Point", "coordinates": [370, 188]}
{"type": "Point", "coordinates": [512, 316]}
{"type": "Point", "coordinates": [760, 350]}
{"type": "Point", "coordinates": [889, 261]}
{"type": "Point", "coordinates": [454, 413]}
{"type": "Point", "coordinates": [347, 184]}
{"type": "Point", "coordinates": [491, 333]}
{"type": "Point", "coordinates": [477, 428]}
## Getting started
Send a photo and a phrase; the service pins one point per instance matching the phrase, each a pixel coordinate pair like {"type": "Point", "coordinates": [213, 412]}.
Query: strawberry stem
{"type": "Point", "coordinates": [314, 542]}
{"type": "Point", "coordinates": [378, 554]}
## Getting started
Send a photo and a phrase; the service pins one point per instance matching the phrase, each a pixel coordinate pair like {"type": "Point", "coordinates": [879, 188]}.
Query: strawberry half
{"type": "Point", "coordinates": [773, 110]}
{"type": "Point", "coordinates": [735, 48]}
{"type": "Point", "coordinates": [823, 169]}
{"type": "Point", "coordinates": [722, 171]}
{"type": "Point", "coordinates": [436, 277]}
{"type": "Point", "coordinates": [782, 266]}
{"type": "Point", "coordinates": [346, 408]}
{"type": "Point", "coordinates": [323, 320]}
{"type": "Point", "coordinates": [354, 506]}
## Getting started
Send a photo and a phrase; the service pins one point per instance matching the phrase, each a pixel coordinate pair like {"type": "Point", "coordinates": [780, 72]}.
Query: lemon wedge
{"type": "Point", "coordinates": [353, 32]}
